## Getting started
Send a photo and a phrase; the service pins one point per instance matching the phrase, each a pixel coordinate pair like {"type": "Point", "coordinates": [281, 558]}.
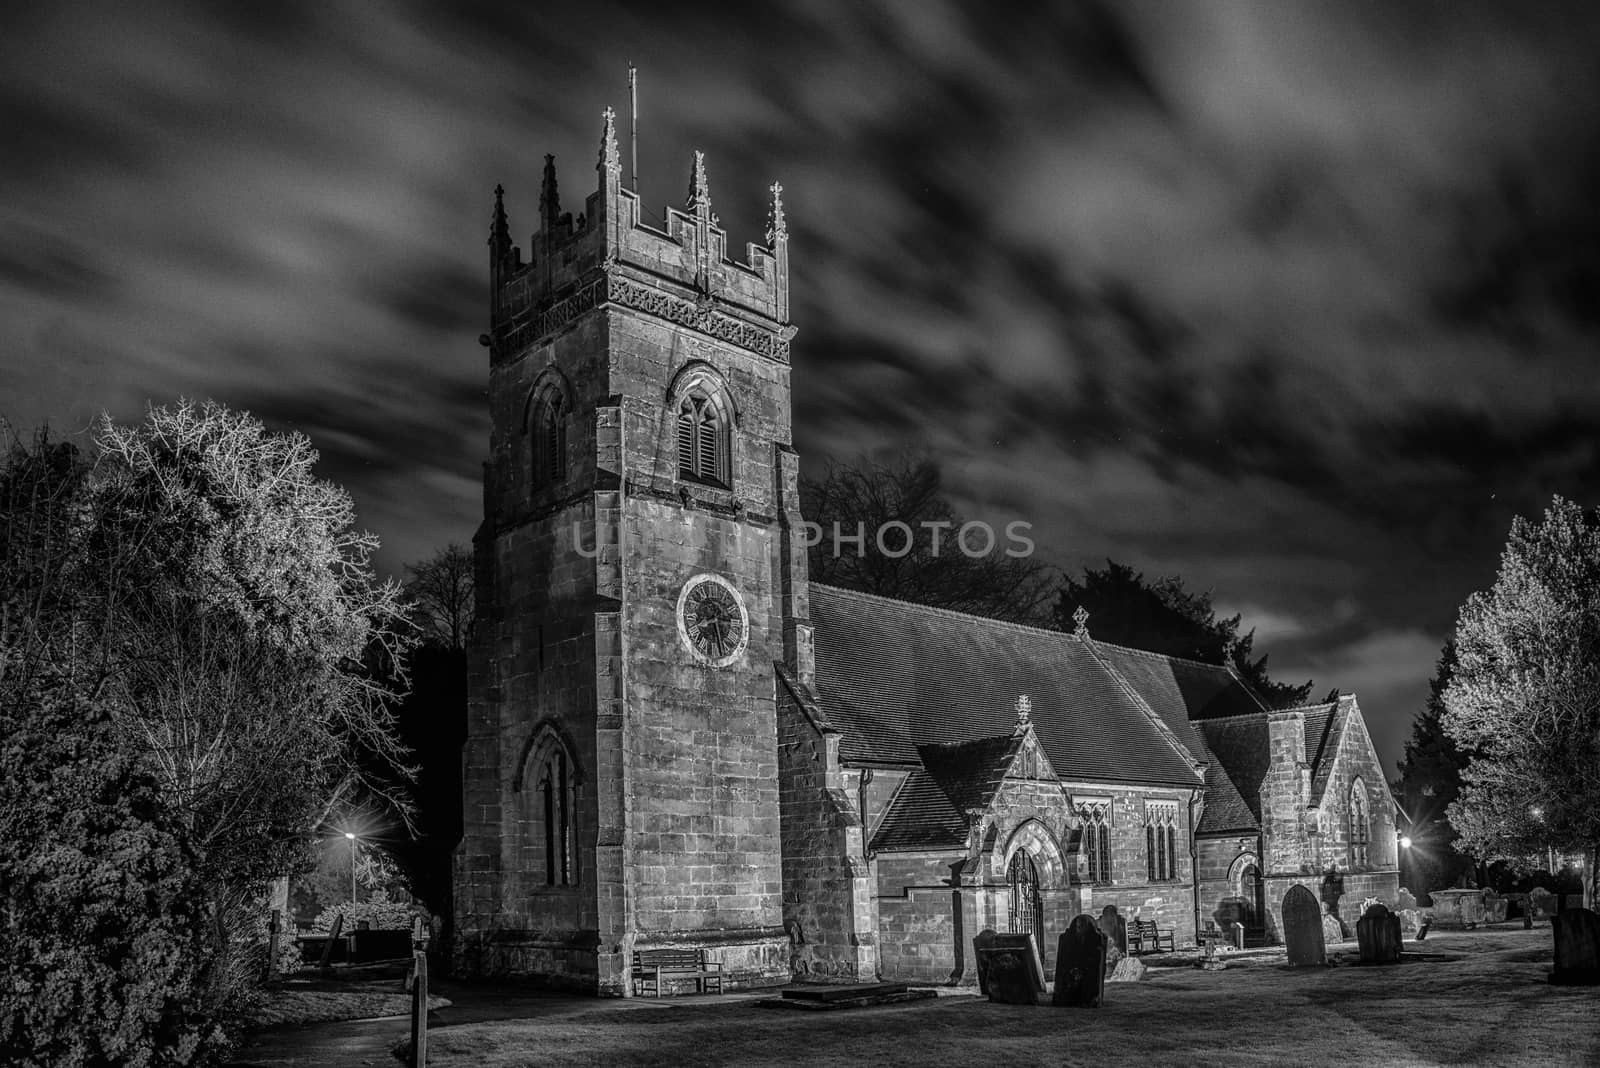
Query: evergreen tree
{"type": "Point", "coordinates": [1164, 617]}
{"type": "Point", "coordinates": [1524, 699]}
{"type": "Point", "coordinates": [1430, 781]}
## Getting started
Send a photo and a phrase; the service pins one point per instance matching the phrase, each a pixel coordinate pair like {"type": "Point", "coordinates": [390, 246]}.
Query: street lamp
{"type": "Point", "coordinates": [351, 835]}
{"type": "Point", "coordinates": [1405, 841]}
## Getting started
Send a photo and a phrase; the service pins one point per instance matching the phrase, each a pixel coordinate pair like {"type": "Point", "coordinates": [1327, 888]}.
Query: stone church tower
{"type": "Point", "coordinates": [640, 579]}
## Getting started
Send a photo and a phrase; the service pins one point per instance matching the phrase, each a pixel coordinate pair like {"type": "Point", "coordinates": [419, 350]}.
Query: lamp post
{"type": "Point", "coordinates": [351, 835]}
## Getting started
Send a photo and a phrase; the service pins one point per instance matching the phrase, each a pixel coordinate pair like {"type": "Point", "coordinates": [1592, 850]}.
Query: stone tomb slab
{"type": "Point", "coordinates": [1081, 965]}
{"type": "Point", "coordinates": [1577, 933]}
{"type": "Point", "coordinates": [845, 996]}
{"type": "Point", "coordinates": [1302, 928]}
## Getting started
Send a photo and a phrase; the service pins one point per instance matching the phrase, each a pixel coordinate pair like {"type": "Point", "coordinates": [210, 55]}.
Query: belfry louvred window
{"type": "Point", "coordinates": [549, 439]}
{"type": "Point", "coordinates": [702, 441]}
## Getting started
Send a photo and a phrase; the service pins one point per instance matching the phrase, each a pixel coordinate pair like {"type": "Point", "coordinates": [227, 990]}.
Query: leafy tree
{"type": "Point", "coordinates": [1164, 617]}
{"type": "Point", "coordinates": [214, 599]}
{"type": "Point", "coordinates": [1430, 781]}
{"type": "Point", "coordinates": [1524, 700]}
{"type": "Point", "coordinates": [100, 897]}
{"type": "Point", "coordinates": [869, 496]}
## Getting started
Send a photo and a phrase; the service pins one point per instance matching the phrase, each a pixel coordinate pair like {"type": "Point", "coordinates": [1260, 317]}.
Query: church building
{"type": "Point", "coordinates": [676, 740]}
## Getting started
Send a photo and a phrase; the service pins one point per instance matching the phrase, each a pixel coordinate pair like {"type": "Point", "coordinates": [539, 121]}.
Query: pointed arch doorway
{"type": "Point", "coordinates": [1027, 914]}
{"type": "Point", "coordinates": [1253, 894]}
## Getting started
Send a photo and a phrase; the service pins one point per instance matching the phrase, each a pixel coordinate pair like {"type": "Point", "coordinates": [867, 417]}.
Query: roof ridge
{"type": "Point", "coordinates": [948, 611]}
{"type": "Point", "coordinates": [1166, 656]}
{"type": "Point", "coordinates": [1166, 732]}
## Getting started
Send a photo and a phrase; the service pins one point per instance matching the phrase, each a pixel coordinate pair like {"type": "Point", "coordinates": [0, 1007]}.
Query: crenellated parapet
{"type": "Point", "coordinates": [608, 254]}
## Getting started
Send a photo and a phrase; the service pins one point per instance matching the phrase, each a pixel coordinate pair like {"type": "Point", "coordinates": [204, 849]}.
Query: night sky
{"type": "Point", "coordinates": [1295, 301]}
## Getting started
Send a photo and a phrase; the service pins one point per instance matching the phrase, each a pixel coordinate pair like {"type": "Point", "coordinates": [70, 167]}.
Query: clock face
{"type": "Point", "coordinates": [712, 619]}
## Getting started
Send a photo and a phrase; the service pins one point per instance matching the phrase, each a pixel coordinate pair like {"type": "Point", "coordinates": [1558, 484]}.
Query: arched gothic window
{"type": "Point", "coordinates": [703, 440]}
{"type": "Point", "coordinates": [1027, 917]}
{"type": "Point", "coordinates": [549, 439]}
{"type": "Point", "coordinates": [549, 787]}
{"type": "Point", "coordinates": [1360, 828]}
{"type": "Point", "coordinates": [1096, 842]}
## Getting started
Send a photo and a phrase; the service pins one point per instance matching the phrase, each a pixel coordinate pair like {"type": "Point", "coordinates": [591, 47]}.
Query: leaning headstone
{"type": "Point", "coordinates": [1577, 947]}
{"type": "Point", "coordinates": [1022, 943]}
{"type": "Point", "coordinates": [983, 941]}
{"type": "Point", "coordinates": [1332, 930]}
{"type": "Point", "coordinates": [1128, 970]}
{"type": "Point", "coordinates": [1378, 934]}
{"type": "Point", "coordinates": [1302, 927]}
{"type": "Point", "coordinates": [1115, 928]}
{"type": "Point", "coordinates": [1013, 977]}
{"type": "Point", "coordinates": [1081, 964]}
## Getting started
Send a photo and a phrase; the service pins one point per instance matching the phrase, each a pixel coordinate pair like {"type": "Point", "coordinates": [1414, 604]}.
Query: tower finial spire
{"type": "Point", "coordinates": [500, 250]}
{"type": "Point", "coordinates": [549, 197]}
{"type": "Point", "coordinates": [777, 225]}
{"type": "Point", "coordinates": [699, 190]}
{"type": "Point", "coordinates": [1080, 620]}
{"type": "Point", "coordinates": [610, 158]}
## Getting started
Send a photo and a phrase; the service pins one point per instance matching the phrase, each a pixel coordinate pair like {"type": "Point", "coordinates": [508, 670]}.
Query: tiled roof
{"type": "Point", "coordinates": [1239, 749]}
{"type": "Point", "coordinates": [1184, 692]}
{"type": "Point", "coordinates": [1326, 723]}
{"type": "Point", "coordinates": [893, 676]}
{"type": "Point", "coordinates": [920, 816]}
{"type": "Point", "coordinates": [929, 810]}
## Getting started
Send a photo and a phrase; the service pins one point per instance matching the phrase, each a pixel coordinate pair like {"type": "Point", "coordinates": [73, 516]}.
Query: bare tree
{"type": "Point", "coordinates": [440, 594]}
{"type": "Point", "coordinates": [904, 501]}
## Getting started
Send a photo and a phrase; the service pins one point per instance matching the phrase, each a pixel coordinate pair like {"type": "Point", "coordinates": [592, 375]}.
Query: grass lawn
{"type": "Point", "coordinates": [1485, 1003]}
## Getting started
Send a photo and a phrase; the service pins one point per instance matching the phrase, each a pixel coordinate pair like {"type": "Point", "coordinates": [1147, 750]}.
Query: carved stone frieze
{"type": "Point", "coordinates": [609, 286]}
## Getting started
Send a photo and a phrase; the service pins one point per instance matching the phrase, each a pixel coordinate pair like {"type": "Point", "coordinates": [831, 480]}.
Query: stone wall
{"type": "Point", "coordinates": [827, 893]}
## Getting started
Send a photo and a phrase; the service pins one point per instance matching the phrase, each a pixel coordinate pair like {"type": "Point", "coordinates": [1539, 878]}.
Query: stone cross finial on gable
{"type": "Point", "coordinates": [1081, 618]}
{"type": "Point", "coordinates": [1024, 710]}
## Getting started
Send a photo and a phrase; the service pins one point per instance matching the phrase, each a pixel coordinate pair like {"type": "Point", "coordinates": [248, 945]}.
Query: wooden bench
{"type": "Point", "coordinates": [652, 968]}
{"type": "Point", "coordinates": [1144, 936]}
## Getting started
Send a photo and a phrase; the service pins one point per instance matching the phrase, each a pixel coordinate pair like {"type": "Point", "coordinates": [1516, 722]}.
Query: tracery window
{"type": "Point", "coordinates": [1161, 840]}
{"type": "Point", "coordinates": [1096, 840]}
{"type": "Point", "coordinates": [549, 439]}
{"type": "Point", "coordinates": [703, 440]}
{"type": "Point", "coordinates": [1360, 828]}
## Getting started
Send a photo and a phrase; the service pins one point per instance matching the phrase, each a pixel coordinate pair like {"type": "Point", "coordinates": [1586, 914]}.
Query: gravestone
{"type": "Point", "coordinates": [1022, 943]}
{"type": "Point", "coordinates": [1542, 902]}
{"type": "Point", "coordinates": [1128, 970]}
{"type": "Point", "coordinates": [1332, 930]}
{"type": "Point", "coordinates": [1236, 935]}
{"type": "Point", "coordinates": [1302, 927]}
{"type": "Point", "coordinates": [1577, 934]}
{"type": "Point", "coordinates": [1115, 928]}
{"type": "Point", "coordinates": [1406, 901]}
{"type": "Point", "coordinates": [1013, 975]}
{"type": "Point", "coordinates": [1081, 964]}
{"type": "Point", "coordinates": [1378, 935]}
{"type": "Point", "coordinates": [983, 941]}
